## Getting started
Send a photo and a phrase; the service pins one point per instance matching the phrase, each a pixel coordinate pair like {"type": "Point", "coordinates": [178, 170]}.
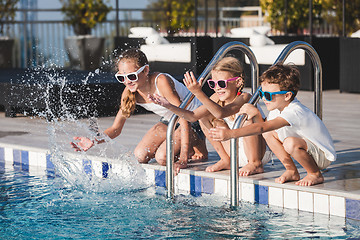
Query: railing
{"type": "Point", "coordinates": [315, 59]}
{"type": "Point", "coordinates": [234, 179]}
{"type": "Point", "coordinates": [41, 43]}
{"type": "Point", "coordinates": [205, 74]}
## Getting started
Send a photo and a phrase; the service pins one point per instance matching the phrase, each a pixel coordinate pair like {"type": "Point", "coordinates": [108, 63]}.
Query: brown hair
{"type": "Point", "coordinates": [128, 99]}
{"type": "Point", "coordinates": [235, 68]}
{"type": "Point", "coordinates": [287, 76]}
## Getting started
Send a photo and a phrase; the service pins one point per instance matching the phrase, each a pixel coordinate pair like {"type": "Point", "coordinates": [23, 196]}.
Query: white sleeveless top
{"type": "Point", "coordinates": [181, 90]}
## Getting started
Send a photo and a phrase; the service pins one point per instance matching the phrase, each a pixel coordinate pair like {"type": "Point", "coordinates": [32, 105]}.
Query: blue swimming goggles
{"type": "Point", "coordinates": [268, 95]}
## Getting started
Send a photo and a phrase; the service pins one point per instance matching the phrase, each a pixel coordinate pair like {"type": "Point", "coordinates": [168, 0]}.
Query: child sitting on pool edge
{"type": "Point", "coordinates": [222, 109]}
{"type": "Point", "coordinates": [134, 73]}
{"type": "Point", "coordinates": [290, 130]}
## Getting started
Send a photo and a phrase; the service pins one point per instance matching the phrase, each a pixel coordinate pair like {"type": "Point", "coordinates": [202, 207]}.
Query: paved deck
{"type": "Point", "coordinates": [341, 114]}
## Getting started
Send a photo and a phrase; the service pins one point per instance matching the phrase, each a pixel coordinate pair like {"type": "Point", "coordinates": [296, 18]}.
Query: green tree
{"type": "Point", "coordinates": [7, 12]}
{"type": "Point", "coordinates": [297, 14]}
{"type": "Point", "coordinates": [335, 10]}
{"type": "Point", "coordinates": [83, 15]}
{"type": "Point", "coordinates": [323, 10]}
{"type": "Point", "coordinates": [174, 15]}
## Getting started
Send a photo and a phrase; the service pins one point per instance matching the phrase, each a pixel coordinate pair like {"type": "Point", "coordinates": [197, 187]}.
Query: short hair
{"type": "Point", "coordinates": [287, 76]}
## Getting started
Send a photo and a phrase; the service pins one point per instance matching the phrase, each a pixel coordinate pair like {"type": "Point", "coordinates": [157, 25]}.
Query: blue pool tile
{"type": "Point", "coordinates": [2, 159]}
{"type": "Point", "coordinates": [2, 154]}
{"type": "Point", "coordinates": [208, 185]}
{"type": "Point", "coordinates": [25, 160]}
{"type": "Point", "coordinates": [353, 209]}
{"type": "Point", "coordinates": [105, 169]}
{"type": "Point", "coordinates": [160, 178]}
{"type": "Point", "coordinates": [49, 165]}
{"type": "Point", "coordinates": [87, 166]}
{"type": "Point", "coordinates": [17, 157]}
{"type": "Point", "coordinates": [2, 166]}
{"type": "Point", "coordinates": [195, 185]}
{"type": "Point", "coordinates": [261, 194]}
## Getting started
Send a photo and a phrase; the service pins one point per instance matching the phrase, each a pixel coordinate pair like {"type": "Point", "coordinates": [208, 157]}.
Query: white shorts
{"type": "Point", "coordinates": [242, 156]}
{"type": "Point", "coordinates": [317, 154]}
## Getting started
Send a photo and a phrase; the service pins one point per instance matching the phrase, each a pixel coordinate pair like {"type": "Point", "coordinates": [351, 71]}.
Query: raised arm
{"type": "Point", "coordinates": [215, 109]}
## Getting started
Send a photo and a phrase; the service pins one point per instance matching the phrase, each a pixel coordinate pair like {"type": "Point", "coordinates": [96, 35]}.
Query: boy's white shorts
{"type": "Point", "coordinates": [317, 154]}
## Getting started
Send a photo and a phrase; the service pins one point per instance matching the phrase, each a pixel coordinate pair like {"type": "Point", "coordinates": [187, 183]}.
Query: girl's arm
{"type": "Point", "coordinates": [190, 116]}
{"type": "Point", "coordinates": [222, 134]}
{"type": "Point", "coordinates": [215, 109]}
{"type": "Point", "coordinates": [85, 143]}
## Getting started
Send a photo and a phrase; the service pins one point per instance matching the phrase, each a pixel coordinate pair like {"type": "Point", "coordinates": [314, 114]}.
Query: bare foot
{"type": "Point", "coordinates": [250, 169]}
{"type": "Point", "coordinates": [311, 179]}
{"type": "Point", "coordinates": [220, 165]}
{"type": "Point", "coordinates": [179, 165]}
{"type": "Point", "coordinates": [200, 151]}
{"type": "Point", "coordinates": [288, 176]}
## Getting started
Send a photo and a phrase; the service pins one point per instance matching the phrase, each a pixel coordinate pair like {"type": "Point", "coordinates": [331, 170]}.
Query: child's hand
{"type": "Point", "coordinates": [191, 83]}
{"type": "Point", "coordinates": [250, 110]}
{"type": "Point", "coordinates": [160, 100]}
{"type": "Point", "coordinates": [83, 144]}
{"type": "Point", "coordinates": [219, 134]}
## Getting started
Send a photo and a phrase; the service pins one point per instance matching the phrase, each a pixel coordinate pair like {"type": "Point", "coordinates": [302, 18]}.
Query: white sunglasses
{"type": "Point", "coordinates": [131, 76]}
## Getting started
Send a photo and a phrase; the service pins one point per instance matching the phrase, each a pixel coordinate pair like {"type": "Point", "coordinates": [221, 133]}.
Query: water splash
{"type": "Point", "coordinates": [71, 110]}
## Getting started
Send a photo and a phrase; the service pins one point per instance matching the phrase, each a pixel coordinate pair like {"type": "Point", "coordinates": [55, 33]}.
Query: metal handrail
{"type": "Point", "coordinates": [205, 74]}
{"type": "Point", "coordinates": [315, 59]}
{"type": "Point", "coordinates": [234, 171]}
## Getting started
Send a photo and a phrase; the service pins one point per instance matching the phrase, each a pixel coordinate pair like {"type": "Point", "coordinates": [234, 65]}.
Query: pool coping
{"type": "Point", "coordinates": [196, 183]}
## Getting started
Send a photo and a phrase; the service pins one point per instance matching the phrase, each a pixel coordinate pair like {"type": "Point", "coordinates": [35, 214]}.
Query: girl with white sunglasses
{"type": "Point", "coordinates": [133, 71]}
{"type": "Point", "coordinates": [221, 110]}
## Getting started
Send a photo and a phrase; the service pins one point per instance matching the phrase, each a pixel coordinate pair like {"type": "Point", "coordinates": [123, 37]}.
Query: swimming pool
{"type": "Point", "coordinates": [38, 206]}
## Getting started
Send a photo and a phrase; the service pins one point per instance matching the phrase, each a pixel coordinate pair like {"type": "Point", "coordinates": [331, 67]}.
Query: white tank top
{"type": "Point", "coordinates": [181, 90]}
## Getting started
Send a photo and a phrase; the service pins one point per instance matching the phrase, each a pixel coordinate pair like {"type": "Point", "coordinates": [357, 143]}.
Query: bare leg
{"type": "Point", "coordinates": [276, 146]}
{"type": "Point", "coordinates": [297, 147]}
{"type": "Point", "coordinates": [146, 148]}
{"type": "Point", "coordinates": [254, 149]}
{"type": "Point", "coordinates": [160, 155]}
{"type": "Point", "coordinates": [199, 146]}
{"type": "Point", "coordinates": [224, 162]}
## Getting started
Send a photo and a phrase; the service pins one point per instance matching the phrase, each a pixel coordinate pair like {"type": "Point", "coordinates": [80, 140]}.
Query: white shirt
{"type": "Point", "coordinates": [304, 124]}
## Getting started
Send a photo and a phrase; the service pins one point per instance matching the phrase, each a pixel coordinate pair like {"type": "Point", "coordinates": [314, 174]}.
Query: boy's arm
{"type": "Point", "coordinates": [222, 134]}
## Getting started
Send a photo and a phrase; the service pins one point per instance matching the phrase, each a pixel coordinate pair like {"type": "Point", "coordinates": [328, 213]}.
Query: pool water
{"type": "Point", "coordinates": [39, 206]}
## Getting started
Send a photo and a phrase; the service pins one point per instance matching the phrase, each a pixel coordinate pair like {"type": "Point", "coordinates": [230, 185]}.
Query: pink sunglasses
{"type": "Point", "coordinates": [220, 83]}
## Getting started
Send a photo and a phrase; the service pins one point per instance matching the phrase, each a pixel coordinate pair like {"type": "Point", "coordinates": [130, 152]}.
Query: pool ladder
{"type": "Point", "coordinates": [234, 171]}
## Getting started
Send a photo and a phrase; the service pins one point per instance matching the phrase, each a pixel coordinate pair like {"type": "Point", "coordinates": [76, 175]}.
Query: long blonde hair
{"type": "Point", "coordinates": [235, 68]}
{"type": "Point", "coordinates": [128, 102]}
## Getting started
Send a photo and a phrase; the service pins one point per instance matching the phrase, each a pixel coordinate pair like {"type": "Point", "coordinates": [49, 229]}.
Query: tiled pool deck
{"type": "Point", "coordinates": [24, 145]}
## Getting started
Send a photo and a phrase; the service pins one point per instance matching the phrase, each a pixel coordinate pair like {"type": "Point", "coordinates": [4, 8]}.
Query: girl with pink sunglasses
{"type": "Point", "coordinates": [221, 110]}
{"type": "Point", "coordinates": [133, 72]}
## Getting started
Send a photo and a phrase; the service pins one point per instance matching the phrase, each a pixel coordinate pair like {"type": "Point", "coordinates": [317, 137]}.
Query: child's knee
{"type": "Point", "coordinates": [268, 136]}
{"type": "Point", "coordinates": [291, 145]}
{"type": "Point", "coordinates": [141, 155]}
{"type": "Point", "coordinates": [160, 157]}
